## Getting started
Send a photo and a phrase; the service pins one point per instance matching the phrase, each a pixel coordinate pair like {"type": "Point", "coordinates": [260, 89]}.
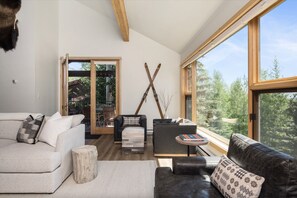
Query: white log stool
{"type": "Point", "coordinates": [84, 163]}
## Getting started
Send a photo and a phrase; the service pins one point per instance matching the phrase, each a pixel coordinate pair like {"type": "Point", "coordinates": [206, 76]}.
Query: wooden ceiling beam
{"type": "Point", "coordinates": [120, 14]}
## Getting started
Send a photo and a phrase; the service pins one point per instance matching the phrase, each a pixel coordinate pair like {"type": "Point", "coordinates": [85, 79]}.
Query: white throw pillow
{"type": "Point", "coordinates": [233, 181]}
{"type": "Point", "coordinates": [76, 119]}
{"type": "Point", "coordinates": [55, 116]}
{"type": "Point", "coordinates": [53, 127]}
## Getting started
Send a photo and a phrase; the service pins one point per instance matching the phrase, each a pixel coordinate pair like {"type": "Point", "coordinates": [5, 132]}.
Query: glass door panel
{"type": "Point", "coordinates": [79, 83]}
{"type": "Point", "coordinates": [104, 96]}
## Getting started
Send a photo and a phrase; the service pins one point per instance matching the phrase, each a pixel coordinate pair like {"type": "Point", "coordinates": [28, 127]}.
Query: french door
{"type": "Point", "coordinates": [90, 86]}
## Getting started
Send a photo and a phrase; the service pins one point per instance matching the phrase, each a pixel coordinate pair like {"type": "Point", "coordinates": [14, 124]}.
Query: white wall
{"type": "Point", "coordinates": [47, 56]}
{"type": "Point", "coordinates": [33, 63]}
{"type": "Point", "coordinates": [50, 29]}
{"type": "Point", "coordinates": [84, 32]}
{"type": "Point", "coordinates": [19, 64]}
{"type": "Point", "coordinates": [222, 15]}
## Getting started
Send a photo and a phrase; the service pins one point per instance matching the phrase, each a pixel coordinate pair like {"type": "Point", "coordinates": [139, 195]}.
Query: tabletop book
{"type": "Point", "coordinates": [191, 137]}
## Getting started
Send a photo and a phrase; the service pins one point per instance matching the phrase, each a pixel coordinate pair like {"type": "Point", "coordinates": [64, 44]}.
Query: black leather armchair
{"type": "Point", "coordinates": [164, 133]}
{"type": "Point", "coordinates": [191, 175]}
{"type": "Point", "coordinates": [118, 126]}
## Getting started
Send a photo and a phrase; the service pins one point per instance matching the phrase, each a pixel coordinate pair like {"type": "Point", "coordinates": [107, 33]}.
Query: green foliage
{"type": "Point", "coordinates": [221, 109]}
{"type": "Point", "coordinates": [105, 89]}
{"type": "Point", "coordinates": [278, 116]}
{"type": "Point", "coordinates": [224, 110]}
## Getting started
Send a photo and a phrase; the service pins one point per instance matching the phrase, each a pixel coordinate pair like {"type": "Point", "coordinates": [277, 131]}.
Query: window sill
{"type": "Point", "coordinates": [216, 146]}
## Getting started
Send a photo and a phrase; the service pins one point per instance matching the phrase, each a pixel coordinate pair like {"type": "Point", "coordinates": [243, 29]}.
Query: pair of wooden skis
{"type": "Point", "coordinates": [151, 85]}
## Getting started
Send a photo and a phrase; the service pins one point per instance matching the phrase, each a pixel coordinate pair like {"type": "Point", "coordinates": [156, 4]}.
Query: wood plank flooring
{"type": "Point", "coordinates": [107, 150]}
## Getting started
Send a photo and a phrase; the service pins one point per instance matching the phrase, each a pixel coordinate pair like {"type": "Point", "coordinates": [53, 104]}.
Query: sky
{"type": "Point", "coordinates": [278, 39]}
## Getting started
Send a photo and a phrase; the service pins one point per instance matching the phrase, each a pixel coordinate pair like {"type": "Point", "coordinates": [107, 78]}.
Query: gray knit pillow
{"type": "Point", "coordinates": [29, 129]}
{"type": "Point", "coordinates": [131, 121]}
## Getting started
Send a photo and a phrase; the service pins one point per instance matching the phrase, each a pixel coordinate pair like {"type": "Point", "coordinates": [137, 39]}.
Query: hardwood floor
{"type": "Point", "coordinates": [107, 150]}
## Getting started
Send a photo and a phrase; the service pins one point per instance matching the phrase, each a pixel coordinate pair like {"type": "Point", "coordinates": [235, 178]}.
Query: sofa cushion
{"type": "Point", "coordinates": [29, 129]}
{"type": "Point", "coordinates": [278, 169]}
{"type": "Point", "coordinates": [53, 127]}
{"type": "Point", "coordinates": [29, 158]}
{"type": "Point", "coordinates": [6, 142]}
{"type": "Point", "coordinates": [169, 185]}
{"type": "Point", "coordinates": [233, 181]}
{"type": "Point", "coordinates": [9, 129]}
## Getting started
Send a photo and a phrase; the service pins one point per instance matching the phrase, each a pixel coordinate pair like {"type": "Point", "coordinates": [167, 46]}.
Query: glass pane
{"type": "Point", "coordinates": [278, 42]}
{"type": "Point", "coordinates": [278, 121]}
{"type": "Point", "coordinates": [105, 94]}
{"type": "Point", "coordinates": [79, 91]}
{"type": "Point", "coordinates": [189, 79]}
{"type": "Point", "coordinates": [189, 107]}
{"type": "Point", "coordinates": [222, 101]}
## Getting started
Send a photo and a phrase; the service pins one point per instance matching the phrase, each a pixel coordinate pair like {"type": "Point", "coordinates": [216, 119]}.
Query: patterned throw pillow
{"type": "Point", "coordinates": [29, 129]}
{"type": "Point", "coordinates": [131, 121]}
{"type": "Point", "coordinates": [233, 181]}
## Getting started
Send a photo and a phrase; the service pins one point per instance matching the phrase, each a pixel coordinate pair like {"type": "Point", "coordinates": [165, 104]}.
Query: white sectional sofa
{"type": "Point", "coordinates": [34, 168]}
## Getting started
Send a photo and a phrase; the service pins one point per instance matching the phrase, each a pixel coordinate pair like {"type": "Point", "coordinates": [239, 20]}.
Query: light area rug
{"type": "Point", "coordinates": [116, 179]}
{"type": "Point", "coordinates": [165, 162]}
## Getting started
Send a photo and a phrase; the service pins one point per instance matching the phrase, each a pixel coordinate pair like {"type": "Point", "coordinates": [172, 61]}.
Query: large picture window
{"type": "Point", "coordinates": [247, 83]}
{"type": "Point", "coordinates": [222, 105]}
{"type": "Point", "coordinates": [277, 121]}
{"type": "Point", "coordinates": [278, 42]}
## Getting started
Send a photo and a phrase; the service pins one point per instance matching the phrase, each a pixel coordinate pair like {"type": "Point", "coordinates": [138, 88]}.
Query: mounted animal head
{"type": "Point", "coordinates": [8, 24]}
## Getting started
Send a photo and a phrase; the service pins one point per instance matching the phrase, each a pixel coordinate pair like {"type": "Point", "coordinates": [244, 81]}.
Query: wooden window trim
{"type": "Point", "coordinates": [194, 91]}
{"type": "Point", "coordinates": [255, 85]}
{"type": "Point", "coordinates": [228, 24]}
{"type": "Point", "coordinates": [184, 92]}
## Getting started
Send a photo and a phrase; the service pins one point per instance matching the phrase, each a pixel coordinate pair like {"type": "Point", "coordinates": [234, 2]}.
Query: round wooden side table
{"type": "Point", "coordinates": [191, 142]}
{"type": "Point", "coordinates": [84, 163]}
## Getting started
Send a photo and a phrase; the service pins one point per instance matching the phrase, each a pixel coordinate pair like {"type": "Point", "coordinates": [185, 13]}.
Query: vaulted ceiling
{"type": "Point", "coordinates": [172, 23]}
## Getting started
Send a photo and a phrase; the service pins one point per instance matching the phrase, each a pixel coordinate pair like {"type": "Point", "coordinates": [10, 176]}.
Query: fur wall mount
{"type": "Point", "coordinates": [8, 24]}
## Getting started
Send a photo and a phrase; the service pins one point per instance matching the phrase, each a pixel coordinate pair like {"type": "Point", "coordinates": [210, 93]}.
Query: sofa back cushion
{"type": "Point", "coordinates": [278, 169]}
{"type": "Point", "coordinates": [9, 129]}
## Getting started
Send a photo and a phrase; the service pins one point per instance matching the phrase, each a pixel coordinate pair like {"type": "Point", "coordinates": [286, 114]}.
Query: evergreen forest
{"type": "Point", "coordinates": [223, 108]}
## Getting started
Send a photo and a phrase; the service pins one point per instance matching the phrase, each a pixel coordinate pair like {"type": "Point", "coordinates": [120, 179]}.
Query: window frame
{"type": "Point", "coordinates": [255, 85]}
{"type": "Point", "coordinates": [184, 90]}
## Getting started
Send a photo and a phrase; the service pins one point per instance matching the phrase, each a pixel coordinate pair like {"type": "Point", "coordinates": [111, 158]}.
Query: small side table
{"type": "Point", "coordinates": [191, 142]}
{"type": "Point", "coordinates": [84, 163]}
{"type": "Point", "coordinates": [133, 139]}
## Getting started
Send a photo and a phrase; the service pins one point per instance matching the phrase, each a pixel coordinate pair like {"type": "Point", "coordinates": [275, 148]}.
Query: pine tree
{"type": "Point", "coordinates": [219, 96]}
{"type": "Point", "coordinates": [203, 91]}
{"type": "Point", "coordinates": [238, 105]}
